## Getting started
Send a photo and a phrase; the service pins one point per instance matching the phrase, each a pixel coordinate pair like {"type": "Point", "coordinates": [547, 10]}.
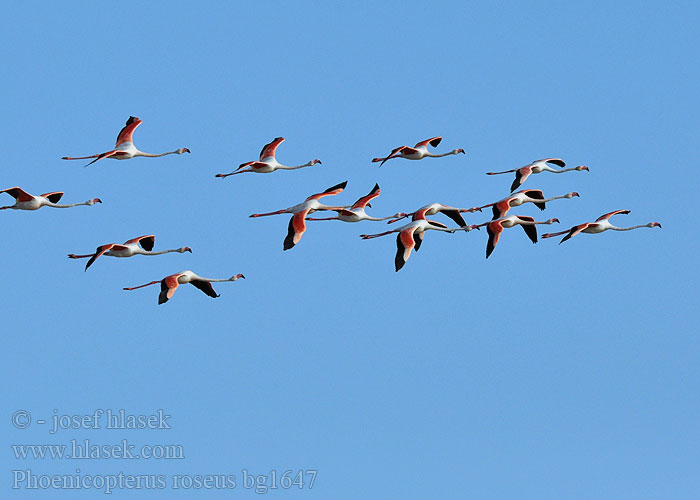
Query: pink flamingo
{"type": "Point", "coordinates": [26, 201]}
{"type": "Point", "coordinates": [522, 173]}
{"type": "Point", "coordinates": [417, 152]}
{"type": "Point", "coordinates": [267, 162]}
{"type": "Point", "coordinates": [496, 227]}
{"type": "Point", "coordinates": [124, 148]}
{"type": "Point", "coordinates": [297, 224]}
{"type": "Point", "coordinates": [600, 225]}
{"type": "Point", "coordinates": [434, 208]}
{"type": "Point", "coordinates": [357, 213]}
{"type": "Point", "coordinates": [169, 284]}
{"type": "Point", "coordinates": [535, 196]}
{"type": "Point", "coordinates": [143, 245]}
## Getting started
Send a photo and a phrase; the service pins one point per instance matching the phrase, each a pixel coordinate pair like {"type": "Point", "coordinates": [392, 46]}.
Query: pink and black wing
{"type": "Point", "coordinates": [574, 231]}
{"type": "Point", "coordinates": [206, 287]}
{"type": "Point", "coordinates": [455, 216]}
{"type": "Point", "coordinates": [494, 229]}
{"type": "Point", "coordinates": [167, 288]}
{"type": "Point", "coordinates": [297, 226]}
{"type": "Point", "coordinates": [530, 229]}
{"type": "Point", "coordinates": [404, 244]}
{"type": "Point", "coordinates": [337, 189]}
{"type": "Point", "coordinates": [99, 251]}
{"type": "Point", "coordinates": [364, 201]}
{"type": "Point", "coordinates": [501, 208]}
{"type": "Point", "coordinates": [53, 197]}
{"type": "Point", "coordinates": [126, 133]}
{"type": "Point", "coordinates": [269, 150]}
{"type": "Point", "coordinates": [434, 142]}
{"type": "Point", "coordinates": [608, 215]}
{"type": "Point", "coordinates": [536, 194]}
{"type": "Point", "coordinates": [555, 161]}
{"type": "Point", "coordinates": [418, 239]}
{"type": "Point", "coordinates": [521, 176]}
{"type": "Point", "coordinates": [147, 242]}
{"type": "Point", "coordinates": [18, 194]}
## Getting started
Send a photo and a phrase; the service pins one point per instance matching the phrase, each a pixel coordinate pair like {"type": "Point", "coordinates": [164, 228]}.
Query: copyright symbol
{"type": "Point", "coordinates": [21, 419]}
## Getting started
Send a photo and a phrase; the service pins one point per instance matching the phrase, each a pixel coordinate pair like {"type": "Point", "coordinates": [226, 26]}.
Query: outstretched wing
{"type": "Point", "coordinates": [555, 161]}
{"type": "Point", "coordinates": [147, 242]}
{"type": "Point", "coordinates": [297, 226]}
{"type": "Point", "coordinates": [521, 176]}
{"type": "Point", "coordinates": [530, 229]}
{"type": "Point", "coordinates": [53, 197]}
{"type": "Point", "coordinates": [494, 229]}
{"type": "Point", "coordinates": [99, 251]}
{"type": "Point", "coordinates": [126, 133]}
{"type": "Point", "coordinates": [574, 231]}
{"type": "Point", "coordinates": [418, 239]}
{"type": "Point", "coordinates": [455, 216]}
{"type": "Point", "coordinates": [404, 244]}
{"type": "Point", "coordinates": [269, 150]}
{"type": "Point", "coordinates": [206, 287]}
{"type": "Point", "coordinates": [608, 215]}
{"type": "Point", "coordinates": [167, 288]}
{"type": "Point", "coordinates": [337, 189]}
{"type": "Point", "coordinates": [362, 202]}
{"type": "Point", "coordinates": [434, 141]}
{"type": "Point", "coordinates": [18, 194]}
{"type": "Point", "coordinates": [537, 195]}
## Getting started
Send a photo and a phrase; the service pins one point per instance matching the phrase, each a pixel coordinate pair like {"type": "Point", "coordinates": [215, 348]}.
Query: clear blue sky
{"type": "Point", "coordinates": [545, 372]}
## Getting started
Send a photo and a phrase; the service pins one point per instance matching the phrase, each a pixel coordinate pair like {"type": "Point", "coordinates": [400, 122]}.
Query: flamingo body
{"type": "Point", "coordinates": [26, 201]}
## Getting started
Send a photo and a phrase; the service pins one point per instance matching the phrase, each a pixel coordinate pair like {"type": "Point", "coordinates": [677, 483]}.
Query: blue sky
{"type": "Point", "coordinates": [545, 372]}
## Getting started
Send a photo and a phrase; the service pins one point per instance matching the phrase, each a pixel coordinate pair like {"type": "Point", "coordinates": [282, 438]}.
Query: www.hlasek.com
{"type": "Point", "coordinates": [107, 483]}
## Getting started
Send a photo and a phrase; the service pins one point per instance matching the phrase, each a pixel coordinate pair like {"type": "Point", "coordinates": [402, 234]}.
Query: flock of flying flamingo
{"type": "Point", "coordinates": [410, 236]}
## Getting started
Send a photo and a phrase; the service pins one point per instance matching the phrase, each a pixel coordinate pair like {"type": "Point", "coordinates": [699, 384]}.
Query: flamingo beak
{"type": "Point", "coordinates": [188, 249]}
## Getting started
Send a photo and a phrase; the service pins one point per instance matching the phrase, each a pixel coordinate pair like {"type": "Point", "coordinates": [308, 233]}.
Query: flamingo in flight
{"type": "Point", "coordinates": [434, 208]}
{"type": "Point", "coordinates": [522, 173]}
{"type": "Point", "coordinates": [411, 236]}
{"type": "Point", "coordinates": [417, 152]}
{"type": "Point", "coordinates": [601, 224]}
{"type": "Point", "coordinates": [169, 284]}
{"type": "Point", "coordinates": [26, 201]}
{"type": "Point", "coordinates": [297, 224]}
{"type": "Point", "coordinates": [496, 227]}
{"type": "Point", "coordinates": [143, 245]}
{"type": "Point", "coordinates": [356, 212]}
{"type": "Point", "coordinates": [267, 162]}
{"type": "Point", "coordinates": [535, 196]}
{"type": "Point", "coordinates": [124, 148]}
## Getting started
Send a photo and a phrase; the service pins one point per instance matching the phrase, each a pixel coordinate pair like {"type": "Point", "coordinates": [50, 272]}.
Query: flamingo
{"type": "Point", "coordinates": [417, 152]}
{"type": "Point", "coordinates": [143, 245]}
{"type": "Point", "coordinates": [501, 208]}
{"type": "Point", "coordinates": [357, 213]}
{"type": "Point", "coordinates": [267, 162]}
{"type": "Point", "coordinates": [26, 201]}
{"type": "Point", "coordinates": [522, 173]}
{"type": "Point", "coordinates": [297, 224]}
{"type": "Point", "coordinates": [410, 236]}
{"type": "Point", "coordinates": [601, 224]}
{"type": "Point", "coordinates": [434, 208]}
{"type": "Point", "coordinates": [496, 227]}
{"type": "Point", "coordinates": [124, 148]}
{"type": "Point", "coordinates": [169, 284]}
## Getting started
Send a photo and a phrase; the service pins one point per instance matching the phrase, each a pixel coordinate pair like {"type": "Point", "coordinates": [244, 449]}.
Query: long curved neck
{"type": "Point", "coordinates": [161, 252]}
{"type": "Point", "coordinates": [432, 155]}
{"type": "Point", "coordinates": [292, 167]}
{"type": "Point", "coordinates": [551, 199]}
{"type": "Point", "coordinates": [215, 280]}
{"type": "Point", "coordinates": [369, 217]}
{"type": "Point", "coordinates": [560, 171]}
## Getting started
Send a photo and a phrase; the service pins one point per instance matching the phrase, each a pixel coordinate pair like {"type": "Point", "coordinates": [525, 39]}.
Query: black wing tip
{"type": "Point", "coordinates": [435, 142]}
{"type": "Point", "coordinates": [337, 186]}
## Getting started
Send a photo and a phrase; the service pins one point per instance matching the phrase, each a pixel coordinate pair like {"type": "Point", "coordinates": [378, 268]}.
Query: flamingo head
{"type": "Point", "coordinates": [185, 249]}
{"type": "Point", "coordinates": [552, 221]}
{"type": "Point", "coordinates": [571, 195]}
{"type": "Point", "coordinates": [474, 226]}
{"type": "Point", "coordinates": [654, 224]}
{"type": "Point", "coordinates": [182, 150]}
{"type": "Point", "coordinates": [237, 277]}
{"type": "Point", "coordinates": [314, 162]}
{"type": "Point", "coordinates": [582, 167]}
{"type": "Point", "coordinates": [93, 201]}
{"type": "Point", "coordinates": [460, 150]}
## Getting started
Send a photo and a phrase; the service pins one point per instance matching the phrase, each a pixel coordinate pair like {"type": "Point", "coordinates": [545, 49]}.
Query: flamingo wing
{"type": "Point", "coordinates": [206, 287]}
{"type": "Point", "coordinates": [269, 150]}
{"type": "Point", "coordinates": [18, 194]}
{"type": "Point", "coordinates": [608, 215]}
{"type": "Point", "coordinates": [53, 197]}
{"type": "Point", "coordinates": [337, 189]}
{"type": "Point", "coordinates": [167, 288]}
{"type": "Point", "coordinates": [494, 229]}
{"type": "Point", "coordinates": [126, 133]}
{"type": "Point", "coordinates": [555, 161]}
{"type": "Point", "coordinates": [455, 216]}
{"type": "Point", "coordinates": [99, 251]}
{"type": "Point", "coordinates": [418, 239]}
{"type": "Point", "coordinates": [103, 155]}
{"type": "Point", "coordinates": [297, 226]}
{"type": "Point", "coordinates": [146, 242]}
{"type": "Point", "coordinates": [530, 229]}
{"type": "Point", "coordinates": [404, 244]}
{"type": "Point", "coordinates": [362, 202]}
{"type": "Point", "coordinates": [434, 141]}
{"type": "Point", "coordinates": [536, 194]}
